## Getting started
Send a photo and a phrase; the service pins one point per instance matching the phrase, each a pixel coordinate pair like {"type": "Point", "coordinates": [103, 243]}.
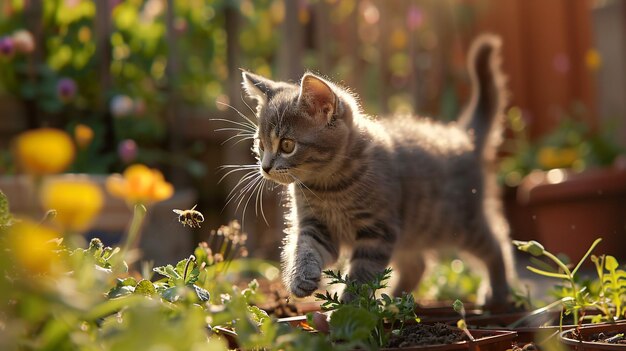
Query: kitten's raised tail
{"type": "Point", "coordinates": [484, 112]}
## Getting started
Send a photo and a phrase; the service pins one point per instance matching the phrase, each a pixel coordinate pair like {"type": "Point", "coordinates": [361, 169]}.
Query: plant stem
{"type": "Point", "coordinates": [134, 232]}
{"type": "Point", "coordinates": [570, 277]}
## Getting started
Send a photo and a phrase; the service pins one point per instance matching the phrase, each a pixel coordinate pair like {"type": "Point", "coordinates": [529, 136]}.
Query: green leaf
{"type": "Point", "coordinates": [203, 294]}
{"type": "Point", "coordinates": [170, 272]}
{"type": "Point", "coordinates": [458, 307]}
{"type": "Point", "coordinates": [258, 315]}
{"type": "Point", "coordinates": [146, 288]}
{"type": "Point", "coordinates": [191, 276]}
{"type": "Point", "coordinates": [173, 294]}
{"type": "Point", "coordinates": [547, 274]}
{"type": "Point", "coordinates": [124, 287]}
{"type": "Point", "coordinates": [611, 263]}
{"type": "Point", "coordinates": [349, 323]}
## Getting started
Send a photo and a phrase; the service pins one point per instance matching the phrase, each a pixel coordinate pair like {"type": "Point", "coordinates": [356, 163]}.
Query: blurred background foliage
{"type": "Point", "coordinates": [138, 81]}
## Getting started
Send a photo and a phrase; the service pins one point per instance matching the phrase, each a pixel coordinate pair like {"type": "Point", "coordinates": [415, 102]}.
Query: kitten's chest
{"type": "Point", "coordinates": [335, 212]}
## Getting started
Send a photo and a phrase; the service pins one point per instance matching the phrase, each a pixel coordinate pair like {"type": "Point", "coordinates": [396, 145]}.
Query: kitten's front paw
{"type": "Point", "coordinates": [305, 281]}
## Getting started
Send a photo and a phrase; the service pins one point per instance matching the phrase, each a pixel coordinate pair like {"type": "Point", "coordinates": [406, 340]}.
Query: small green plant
{"type": "Point", "coordinates": [461, 324]}
{"type": "Point", "coordinates": [363, 320]}
{"type": "Point", "coordinates": [57, 296]}
{"type": "Point", "coordinates": [575, 298]}
{"type": "Point", "coordinates": [612, 292]}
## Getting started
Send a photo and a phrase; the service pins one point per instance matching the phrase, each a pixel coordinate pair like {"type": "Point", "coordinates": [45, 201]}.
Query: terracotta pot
{"type": "Point", "coordinates": [529, 326]}
{"type": "Point", "coordinates": [486, 339]}
{"type": "Point", "coordinates": [571, 210]}
{"type": "Point", "coordinates": [566, 338]}
{"type": "Point", "coordinates": [443, 312]}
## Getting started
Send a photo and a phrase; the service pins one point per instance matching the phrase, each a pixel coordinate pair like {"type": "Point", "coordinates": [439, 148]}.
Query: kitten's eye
{"type": "Point", "coordinates": [287, 145]}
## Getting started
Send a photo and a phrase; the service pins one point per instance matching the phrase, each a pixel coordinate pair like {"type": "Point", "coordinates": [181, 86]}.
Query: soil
{"type": "Point", "coordinates": [607, 338]}
{"type": "Point", "coordinates": [424, 334]}
{"type": "Point", "coordinates": [525, 347]}
{"type": "Point", "coordinates": [277, 302]}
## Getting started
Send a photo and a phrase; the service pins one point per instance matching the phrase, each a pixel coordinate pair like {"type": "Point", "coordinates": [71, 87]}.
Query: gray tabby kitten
{"type": "Point", "coordinates": [387, 190]}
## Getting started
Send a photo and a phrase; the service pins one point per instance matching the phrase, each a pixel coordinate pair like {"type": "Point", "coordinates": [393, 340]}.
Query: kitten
{"type": "Point", "coordinates": [387, 190]}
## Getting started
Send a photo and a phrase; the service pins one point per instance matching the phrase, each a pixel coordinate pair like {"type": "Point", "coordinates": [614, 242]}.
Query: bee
{"type": "Point", "coordinates": [192, 218]}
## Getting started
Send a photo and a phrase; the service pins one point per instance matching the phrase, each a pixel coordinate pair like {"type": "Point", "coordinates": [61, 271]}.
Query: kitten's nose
{"type": "Point", "coordinates": [266, 168]}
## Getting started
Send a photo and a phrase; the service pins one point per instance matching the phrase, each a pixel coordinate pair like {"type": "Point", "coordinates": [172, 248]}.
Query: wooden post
{"type": "Point", "coordinates": [290, 52]}
{"type": "Point", "coordinates": [33, 12]}
{"type": "Point", "coordinates": [103, 63]}
{"type": "Point", "coordinates": [173, 106]}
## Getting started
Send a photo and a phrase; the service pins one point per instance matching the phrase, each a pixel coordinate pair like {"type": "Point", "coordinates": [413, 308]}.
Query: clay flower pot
{"type": "Point", "coordinates": [590, 333]}
{"type": "Point", "coordinates": [485, 340]}
{"type": "Point", "coordinates": [571, 210]}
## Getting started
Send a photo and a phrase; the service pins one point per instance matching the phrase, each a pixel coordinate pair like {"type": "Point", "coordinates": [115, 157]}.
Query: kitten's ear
{"type": "Point", "coordinates": [317, 96]}
{"type": "Point", "coordinates": [259, 88]}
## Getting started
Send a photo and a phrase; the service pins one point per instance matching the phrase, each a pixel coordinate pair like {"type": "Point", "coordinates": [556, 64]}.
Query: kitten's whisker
{"type": "Point", "coordinates": [241, 135]}
{"type": "Point", "coordinates": [230, 129]}
{"type": "Point", "coordinates": [237, 166]}
{"type": "Point", "coordinates": [300, 183]}
{"type": "Point", "coordinates": [232, 171]}
{"type": "Point", "coordinates": [242, 195]}
{"type": "Point", "coordinates": [238, 112]}
{"type": "Point", "coordinates": [232, 194]}
{"type": "Point", "coordinates": [248, 126]}
{"type": "Point", "coordinates": [262, 190]}
{"type": "Point", "coordinates": [254, 190]}
{"type": "Point", "coordinates": [302, 191]}
{"type": "Point", "coordinates": [248, 106]}
{"type": "Point", "coordinates": [243, 139]}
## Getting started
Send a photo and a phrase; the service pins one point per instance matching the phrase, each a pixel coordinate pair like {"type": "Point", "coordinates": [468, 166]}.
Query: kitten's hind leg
{"type": "Point", "coordinates": [487, 248]}
{"type": "Point", "coordinates": [409, 267]}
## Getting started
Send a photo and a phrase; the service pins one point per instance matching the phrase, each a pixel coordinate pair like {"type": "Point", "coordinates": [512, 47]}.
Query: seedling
{"type": "Point", "coordinates": [363, 320]}
{"type": "Point", "coordinates": [612, 286]}
{"type": "Point", "coordinates": [578, 297]}
{"type": "Point", "coordinates": [461, 324]}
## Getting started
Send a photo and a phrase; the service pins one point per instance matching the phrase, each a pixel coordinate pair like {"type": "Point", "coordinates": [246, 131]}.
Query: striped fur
{"type": "Point", "coordinates": [383, 191]}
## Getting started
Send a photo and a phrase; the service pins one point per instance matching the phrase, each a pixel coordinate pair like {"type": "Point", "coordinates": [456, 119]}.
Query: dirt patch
{"type": "Point", "coordinates": [608, 338]}
{"type": "Point", "coordinates": [425, 334]}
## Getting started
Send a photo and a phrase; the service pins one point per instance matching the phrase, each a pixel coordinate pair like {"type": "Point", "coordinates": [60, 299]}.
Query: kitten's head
{"type": "Point", "coordinates": [302, 129]}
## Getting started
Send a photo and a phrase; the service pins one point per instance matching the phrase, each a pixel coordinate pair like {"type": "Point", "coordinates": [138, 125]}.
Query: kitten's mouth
{"type": "Point", "coordinates": [280, 177]}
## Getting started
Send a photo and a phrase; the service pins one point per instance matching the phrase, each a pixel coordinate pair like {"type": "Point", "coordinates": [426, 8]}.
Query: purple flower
{"type": "Point", "coordinates": [7, 47]}
{"type": "Point", "coordinates": [66, 89]}
{"type": "Point", "coordinates": [127, 150]}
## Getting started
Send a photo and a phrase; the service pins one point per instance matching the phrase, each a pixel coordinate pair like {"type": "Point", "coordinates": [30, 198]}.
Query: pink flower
{"type": "Point", "coordinates": [24, 41]}
{"type": "Point", "coordinates": [66, 89]}
{"type": "Point", "coordinates": [127, 150]}
{"type": "Point", "coordinates": [414, 18]}
{"type": "Point", "coordinates": [7, 47]}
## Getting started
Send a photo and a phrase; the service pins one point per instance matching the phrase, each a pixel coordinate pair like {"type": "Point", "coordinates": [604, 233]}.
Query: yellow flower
{"type": "Point", "coordinates": [593, 59]}
{"type": "Point", "coordinates": [31, 246]}
{"type": "Point", "coordinates": [76, 200]}
{"type": "Point", "coordinates": [44, 151]}
{"type": "Point", "coordinates": [139, 185]}
{"type": "Point", "coordinates": [83, 135]}
{"type": "Point", "coordinates": [551, 157]}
